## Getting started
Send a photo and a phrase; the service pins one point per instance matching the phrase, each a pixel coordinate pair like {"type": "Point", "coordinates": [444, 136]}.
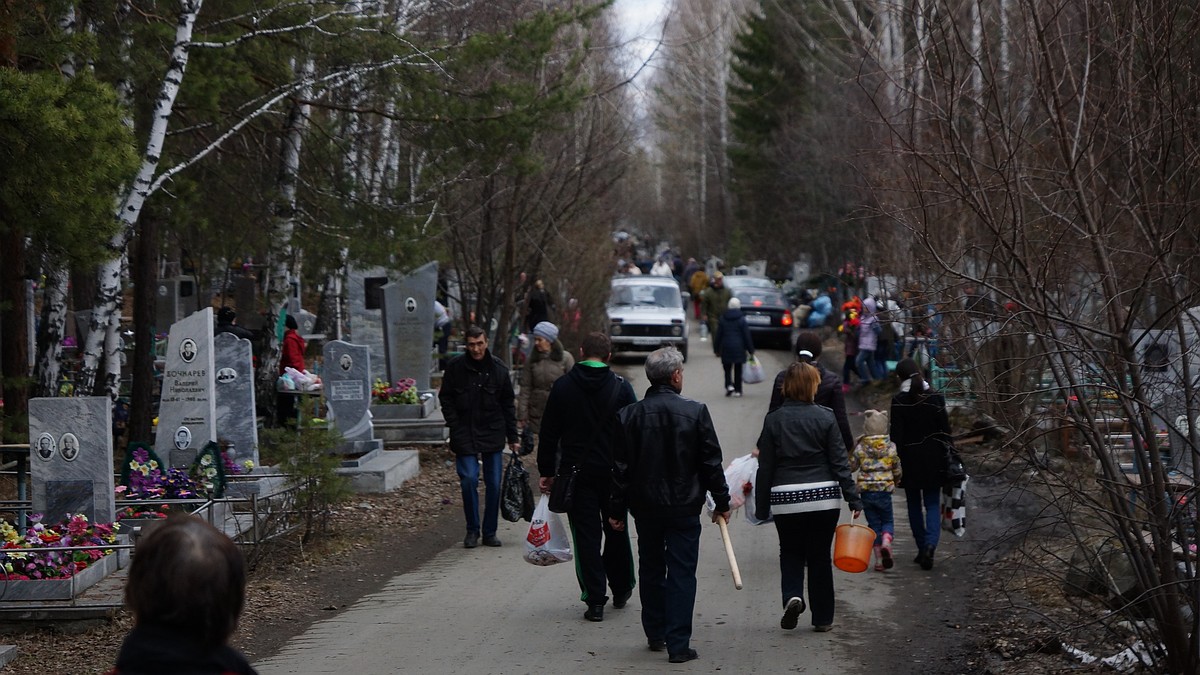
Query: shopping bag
{"type": "Point", "coordinates": [752, 371]}
{"type": "Point", "coordinates": [739, 475]}
{"type": "Point", "coordinates": [516, 497]}
{"type": "Point", "coordinates": [546, 543]}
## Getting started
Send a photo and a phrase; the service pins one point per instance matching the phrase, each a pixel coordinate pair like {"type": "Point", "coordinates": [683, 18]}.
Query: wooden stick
{"type": "Point", "coordinates": [737, 574]}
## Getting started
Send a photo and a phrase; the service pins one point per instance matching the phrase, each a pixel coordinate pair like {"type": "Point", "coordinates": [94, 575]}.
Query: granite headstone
{"type": "Point", "coordinates": [237, 423]}
{"type": "Point", "coordinates": [347, 386]}
{"type": "Point", "coordinates": [188, 408]}
{"type": "Point", "coordinates": [71, 458]}
{"type": "Point", "coordinates": [408, 325]}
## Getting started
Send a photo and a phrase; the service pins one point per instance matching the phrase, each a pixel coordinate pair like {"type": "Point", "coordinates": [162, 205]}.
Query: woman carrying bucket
{"type": "Point", "coordinates": [803, 460]}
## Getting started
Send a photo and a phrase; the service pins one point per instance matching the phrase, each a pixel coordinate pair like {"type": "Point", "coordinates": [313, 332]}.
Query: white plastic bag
{"type": "Point", "coordinates": [752, 371]}
{"type": "Point", "coordinates": [740, 476]}
{"type": "Point", "coordinates": [547, 542]}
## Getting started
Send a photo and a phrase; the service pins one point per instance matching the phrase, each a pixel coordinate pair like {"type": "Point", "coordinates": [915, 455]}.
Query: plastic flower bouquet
{"type": "Point", "coordinates": [36, 555]}
{"type": "Point", "coordinates": [403, 392]}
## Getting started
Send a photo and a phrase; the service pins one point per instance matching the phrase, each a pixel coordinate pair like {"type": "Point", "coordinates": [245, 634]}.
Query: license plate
{"type": "Point", "coordinates": [758, 319]}
{"type": "Point", "coordinates": [641, 342]}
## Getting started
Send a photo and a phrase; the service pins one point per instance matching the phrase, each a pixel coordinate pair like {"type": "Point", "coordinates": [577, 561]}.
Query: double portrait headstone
{"type": "Point", "coordinates": [71, 458]}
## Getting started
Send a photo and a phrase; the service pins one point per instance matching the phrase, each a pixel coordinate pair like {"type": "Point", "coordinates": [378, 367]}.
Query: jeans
{"type": "Point", "coordinates": [733, 375]}
{"type": "Point", "coordinates": [594, 568]}
{"type": "Point", "coordinates": [864, 363]}
{"type": "Point", "coordinates": [668, 550]}
{"type": "Point", "coordinates": [925, 526]}
{"type": "Point", "coordinates": [805, 540]}
{"type": "Point", "coordinates": [468, 478]}
{"type": "Point", "coordinates": [877, 507]}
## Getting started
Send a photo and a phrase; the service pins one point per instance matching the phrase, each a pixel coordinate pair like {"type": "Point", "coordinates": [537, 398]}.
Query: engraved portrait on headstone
{"type": "Point", "coordinates": [45, 446]}
{"type": "Point", "coordinates": [187, 350]}
{"type": "Point", "coordinates": [70, 446]}
{"type": "Point", "coordinates": [346, 362]}
{"type": "Point", "coordinates": [183, 438]}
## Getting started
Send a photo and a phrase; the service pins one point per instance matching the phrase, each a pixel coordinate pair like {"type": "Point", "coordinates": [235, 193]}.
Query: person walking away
{"type": "Point", "coordinates": [291, 356]}
{"type": "Point", "coordinates": [576, 437]}
{"type": "Point", "coordinates": [539, 305]}
{"type": "Point", "coordinates": [665, 457]}
{"type": "Point", "coordinates": [186, 590]}
{"type": "Point", "coordinates": [478, 403]}
{"type": "Point", "coordinates": [227, 323]}
{"type": "Point", "coordinates": [698, 283]}
{"type": "Point", "coordinates": [662, 267]}
{"type": "Point", "coordinates": [829, 392]}
{"type": "Point", "coordinates": [920, 429]}
{"type": "Point", "coordinates": [443, 326]}
{"type": "Point", "coordinates": [548, 362]}
{"type": "Point", "coordinates": [803, 461]}
{"type": "Point", "coordinates": [716, 300]}
{"type": "Point", "coordinates": [849, 331]}
{"type": "Point", "coordinates": [868, 339]}
{"type": "Point", "coordinates": [733, 341]}
{"type": "Point", "coordinates": [878, 466]}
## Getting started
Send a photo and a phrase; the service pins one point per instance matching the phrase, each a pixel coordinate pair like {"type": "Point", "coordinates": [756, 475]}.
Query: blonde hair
{"type": "Point", "coordinates": [800, 382]}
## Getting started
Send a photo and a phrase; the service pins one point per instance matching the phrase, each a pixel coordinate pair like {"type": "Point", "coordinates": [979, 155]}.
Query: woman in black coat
{"type": "Point", "coordinates": [921, 429]}
{"type": "Point", "coordinates": [733, 341]}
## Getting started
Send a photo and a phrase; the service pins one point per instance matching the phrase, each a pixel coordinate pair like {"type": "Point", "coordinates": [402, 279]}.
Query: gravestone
{"type": "Point", "coordinates": [346, 377]}
{"type": "Point", "coordinates": [364, 314]}
{"type": "Point", "coordinates": [408, 325]}
{"type": "Point", "coordinates": [187, 409]}
{"type": "Point", "coordinates": [71, 458]}
{"type": "Point", "coordinates": [236, 421]}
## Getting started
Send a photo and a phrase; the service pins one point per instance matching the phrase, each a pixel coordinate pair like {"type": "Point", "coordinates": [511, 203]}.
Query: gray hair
{"type": "Point", "coordinates": [662, 364]}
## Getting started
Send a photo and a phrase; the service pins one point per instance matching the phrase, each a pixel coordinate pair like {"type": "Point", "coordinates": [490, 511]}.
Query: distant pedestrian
{"type": "Point", "coordinates": [715, 300]}
{"type": "Point", "coordinates": [576, 438]}
{"type": "Point", "coordinates": [477, 401]}
{"type": "Point", "coordinates": [662, 267]}
{"type": "Point", "coordinates": [443, 326]}
{"type": "Point", "coordinates": [878, 466]}
{"type": "Point", "coordinates": [186, 590]}
{"type": "Point", "coordinates": [921, 429]}
{"type": "Point", "coordinates": [539, 305]}
{"type": "Point", "coordinates": [547, 362]}
{"type": "Point", "coordinates": [868, 338]}
{"type": "Point", "coordinates": [803, 475]}
{"type": "Point", "coordinates": [227, 323]}
{"type": "Point", "coordinates": [666, 457]}
{"type": "Point", "coordinates": [829, 392]}
{"type": "Point", "coordinates": [291, 356]}
{"type": "Point", "coordinates": [697, 282]}
{"type": "Point", "coordinates": [733, 341]}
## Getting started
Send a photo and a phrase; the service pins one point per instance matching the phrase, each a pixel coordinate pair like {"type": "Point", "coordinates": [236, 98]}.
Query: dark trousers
{"type": "Point", "coordinates": [603, 556]}
{"type": "Point", "coordinates": [285, 410]}
{"type": "Point", "coordinates": [733, 375]}
{"type": "Point", "coordinates": [924, 515]}
{"type": "Point", "coordinates": [805, 540]}
{"type": "Point", "coordinates": [668, 550]}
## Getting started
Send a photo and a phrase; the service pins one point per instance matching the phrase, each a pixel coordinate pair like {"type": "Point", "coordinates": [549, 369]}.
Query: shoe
{"type": "Point", "coordinates": [920, 559]}
{"type": "Point", "coordinates": [620, 599]}
{"type": "Point", "coordinates": [878, 558]}
{"type": "Point", "coordinates": [845, 388]}
{"type": "Point", "coordinates": [683, 657]}
{"type": "Point", "coordinates": [737, 394]}
{"type": "Point", "coordinates": [927, 561]}
{"type": "Point", "coordinates": [472, 540]}
{"type": "Point", "coordinates": [491, 540]}
{"type": "Point", "coordinates": [656, 645]}
{"type": "Point", "coordinates": [594, 613]}
{"type": "Point", "coordinates": [823, 629]}
{"type": "Point", "coordinates": [729, 390]}
{"type": "Point", "coordinates": [886, 550]}
{"type": "Point", "coordinates": [791, 613]}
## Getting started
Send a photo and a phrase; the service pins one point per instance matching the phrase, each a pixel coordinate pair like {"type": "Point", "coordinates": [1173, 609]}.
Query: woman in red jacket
{"type": "Point", "coordinates": [292, 357]}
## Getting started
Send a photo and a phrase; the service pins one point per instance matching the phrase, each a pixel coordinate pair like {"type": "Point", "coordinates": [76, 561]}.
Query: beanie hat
{"type": "Point", "coordinates": [875, 423]}
{"type": "Point", "coordinates": [810, 342]}
{"type": "Point", "coordinates": [547, 330]}
{"type": "Point", "coordinates": [734, 303]}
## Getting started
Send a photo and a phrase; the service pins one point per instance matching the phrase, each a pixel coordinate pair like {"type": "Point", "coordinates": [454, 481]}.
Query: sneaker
{"type": "Point", "coordinates": [791, 613]}
{"type": "Point", "coordinates": [620, 599]}
{"type": "Point", "coordinates": [472, 540]}
{"type": "Point", "coordinates": [656, 645]}
{"type": "Point", "coordinates": [491, 540]}
{"type": "Point", "coordinates": [683, 657]}
{"type": "Point", "coordinates": [823, 629]}
{"type": "Point", "coordinates": [737, 394]}
{"type": "Point", "coordinates": [594, 613]}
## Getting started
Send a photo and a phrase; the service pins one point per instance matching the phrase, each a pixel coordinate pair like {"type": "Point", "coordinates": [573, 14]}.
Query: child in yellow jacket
{"type": "Point", "coordinates": [875, 458]}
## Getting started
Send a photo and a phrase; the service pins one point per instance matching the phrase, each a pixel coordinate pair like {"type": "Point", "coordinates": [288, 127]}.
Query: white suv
{"type": "Point", "coordinates": [645, 313]}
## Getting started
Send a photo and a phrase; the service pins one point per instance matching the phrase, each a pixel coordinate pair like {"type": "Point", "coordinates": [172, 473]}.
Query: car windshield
{"type": "Point", "coordinates": [644, 295]}
{"type": "Point", "coordinates": [759, 297]}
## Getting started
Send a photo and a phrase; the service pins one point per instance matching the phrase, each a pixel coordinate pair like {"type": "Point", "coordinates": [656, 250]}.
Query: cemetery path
{"type": "Point", "coordinates": [487, 611]}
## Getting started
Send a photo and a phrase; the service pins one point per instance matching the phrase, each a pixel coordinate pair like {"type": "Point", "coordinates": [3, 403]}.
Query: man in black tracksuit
{"type": "Point", "coordinates": [576, 428]}
{"type": "Point", "coordinates": [666, 456]}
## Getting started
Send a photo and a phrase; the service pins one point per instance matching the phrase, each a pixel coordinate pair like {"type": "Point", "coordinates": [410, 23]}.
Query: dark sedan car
{"type": "Point", "coordinates": [768, 314]}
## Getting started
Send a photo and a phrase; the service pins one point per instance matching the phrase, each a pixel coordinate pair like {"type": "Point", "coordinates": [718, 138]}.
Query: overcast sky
{"type": "Point", "coordinates": [640, 22]}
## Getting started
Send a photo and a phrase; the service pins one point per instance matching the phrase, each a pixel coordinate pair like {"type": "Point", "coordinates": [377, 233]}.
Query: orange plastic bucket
{"type": "Point", "coordinates": [852, 546]}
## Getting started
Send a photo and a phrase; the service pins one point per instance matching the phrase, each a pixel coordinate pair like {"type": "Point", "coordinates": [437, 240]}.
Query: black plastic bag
{"type": "Point", "coordinates": [527, 442]}
{"type": "Point", "coordinates": [516, 497]}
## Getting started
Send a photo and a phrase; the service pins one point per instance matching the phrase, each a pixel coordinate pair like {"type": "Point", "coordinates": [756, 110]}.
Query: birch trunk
{"type": "Point", "coordinates": [108, 301]}
{"type": "Point", "coordinates": [54, 318]}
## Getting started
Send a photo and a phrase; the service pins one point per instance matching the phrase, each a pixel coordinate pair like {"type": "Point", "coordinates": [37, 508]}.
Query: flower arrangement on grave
{"type": "Point", "coordinates": [33, 555]}
{"type": "Point", "coordinates": [403, 392]}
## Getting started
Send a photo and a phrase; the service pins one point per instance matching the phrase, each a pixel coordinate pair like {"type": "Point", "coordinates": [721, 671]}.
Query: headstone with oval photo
{"type": "Point", "coordinates": [71, 458]}
{"type": "Point", "coordinates": [347, 388]}
{"type": "Point", "coordinates": [236, 420]}
{"type": "Point", "coordinates": [408, 318]}
{"type": "Point", "coordinates": [187, 408]}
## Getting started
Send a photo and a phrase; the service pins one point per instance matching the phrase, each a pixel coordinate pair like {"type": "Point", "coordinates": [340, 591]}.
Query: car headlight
{"type": "Point", "coordinates": [615, 329]}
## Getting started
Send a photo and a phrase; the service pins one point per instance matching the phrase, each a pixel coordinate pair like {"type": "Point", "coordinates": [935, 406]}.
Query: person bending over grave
{"type": "Point", "coordinates": [186, 589]}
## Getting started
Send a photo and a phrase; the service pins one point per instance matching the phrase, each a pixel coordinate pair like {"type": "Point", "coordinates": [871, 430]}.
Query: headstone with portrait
{"type": "Point", "coordinates": [408, 320]}
{"type": "Point", "coordinates": [236, 421]}
{"type": "Point", "coordinates": [71, 458]}
{"type": "Point", "coordinates": [187, 408]}
{"type": "Point", "coordinates": [347, 387]}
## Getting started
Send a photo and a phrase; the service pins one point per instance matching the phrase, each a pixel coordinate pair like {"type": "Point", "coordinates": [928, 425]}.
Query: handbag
{"type": "Point", "coordinates": [562, 493]}
{"type": "Point", "coordinates": [516, 497]}
{"type": "Point", "coordinates": [955, 472]}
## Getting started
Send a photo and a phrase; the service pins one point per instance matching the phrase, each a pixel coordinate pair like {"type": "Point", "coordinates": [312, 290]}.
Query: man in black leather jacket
{"type": "Point", "coordinates": [477, 400]}
{"type": "Point", "coordinates": [666, 456]}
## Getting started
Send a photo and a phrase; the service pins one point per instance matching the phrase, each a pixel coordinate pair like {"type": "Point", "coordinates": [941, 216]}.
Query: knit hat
{"type": "Point", "coordinates": [808, 341]}
{"type": "Point", "coordinates": [734, 303]}
{"type": "Point", "coordinates": [875, 423]}
{"type": "Point", "coordinates": [547, 330]}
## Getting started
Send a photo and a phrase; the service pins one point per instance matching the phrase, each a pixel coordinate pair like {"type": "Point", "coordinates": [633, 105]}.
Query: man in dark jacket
{"type": "Point", "coordinates": [477, 401]}
{"type": "Point", "coordinates": [576, 431]}
{"type": "Point", "coordinates": [829, 392]}
{"type": "Point", "coordinates": [666, 457]}
{"type": "Point", "coordinates": [227, 323]}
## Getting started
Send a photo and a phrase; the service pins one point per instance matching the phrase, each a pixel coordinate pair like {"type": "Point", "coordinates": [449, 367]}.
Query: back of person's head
{"type": "Point", "coordinates": [474, 331]}
{"type": "Point", "coordinates": [734, 303]}
{"type": "Point", "coordinates": [226, 315]}
{"type": "Point", "coordinates": [875, 423]}
{"type": "Point", "coordinates": [908, 369]}
{"type": "Point", "coordinates": [188, 576]}
{"type": "Point", "coordinates": [596, 347]}
{"type": "Point", "coordinates": [662, 363]}
{"type": "Point", "coordinates": [800, 382]}
{"type": "Point", "coordinates": [808, 346]}
{"type": "Point", "coordinates": [290, 322]}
